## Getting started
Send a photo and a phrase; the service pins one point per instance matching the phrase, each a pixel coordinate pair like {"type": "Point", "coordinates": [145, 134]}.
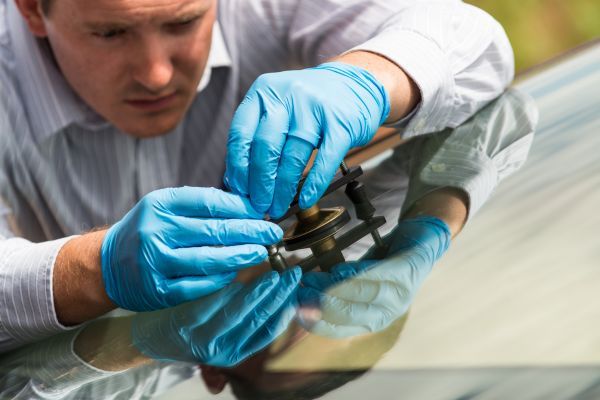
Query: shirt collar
{"type": "Point", "coordinates": [50, 102]}
{"type": "Point", "coordinates": [218, 56]}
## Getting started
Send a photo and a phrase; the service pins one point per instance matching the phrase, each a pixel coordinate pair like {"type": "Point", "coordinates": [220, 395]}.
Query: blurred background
{"type": "Point", "coordinates": [542, 29]}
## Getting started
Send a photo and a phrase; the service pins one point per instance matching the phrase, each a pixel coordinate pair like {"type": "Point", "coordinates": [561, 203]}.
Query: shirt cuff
{"type": "Point", "coordinates": [403, 122]}
{"type": "Point", "coordinates": [423, 60]}
{"type": "Point", "coordinates": [460, 167]}
{"type": "Point", "coordinates": [27, 310]}
{"type": "Point", "coordinates": [63, 370]}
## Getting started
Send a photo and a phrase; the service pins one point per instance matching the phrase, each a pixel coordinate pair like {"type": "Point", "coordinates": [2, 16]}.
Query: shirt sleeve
{"type": "Point", "coordinates": [458, 55]}
{"type": "Point", "coordinates": [26, 300]}
{"type": "Point", "coordinates": [474, 157]}
{"type": "Point", "coordinates": [49, 369]}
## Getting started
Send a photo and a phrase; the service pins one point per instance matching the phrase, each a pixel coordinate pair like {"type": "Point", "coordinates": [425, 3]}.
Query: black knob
{"type": "Point", "coordinates": [357, 193]}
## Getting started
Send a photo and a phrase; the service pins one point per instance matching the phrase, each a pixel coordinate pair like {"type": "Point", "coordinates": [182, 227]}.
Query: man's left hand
{"type": "Point", "coordinates": [285, 116]}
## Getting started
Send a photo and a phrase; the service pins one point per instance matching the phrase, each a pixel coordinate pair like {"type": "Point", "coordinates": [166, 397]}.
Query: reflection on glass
{"type": "Point", "coordinates": [369, 294]}
{"type": "Point", "coordinates": [301, 365]}
{"type": "Point", "coordinates": [349, 317]}
{"type": "Point", "coordinates": [222, 329]}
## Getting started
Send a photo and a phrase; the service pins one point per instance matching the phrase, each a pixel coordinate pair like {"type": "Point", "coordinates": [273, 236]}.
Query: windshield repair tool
{"type": "Point", "coordinates": [316, 227]}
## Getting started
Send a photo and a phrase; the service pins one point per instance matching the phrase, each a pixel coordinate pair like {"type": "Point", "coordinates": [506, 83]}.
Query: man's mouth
{"type": "Point", "coordinates": [152, 103]}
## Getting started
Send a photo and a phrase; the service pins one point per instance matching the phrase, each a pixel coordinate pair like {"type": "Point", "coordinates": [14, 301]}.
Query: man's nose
{"type": "Point", "coordinates": [154, 67]}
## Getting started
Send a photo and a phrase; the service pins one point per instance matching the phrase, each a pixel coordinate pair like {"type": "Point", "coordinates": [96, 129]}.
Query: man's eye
{"type": "Point", "coordinates": [186, 22]}
{"type": "Point", "coordinates": [183, 24]}
{"type": "Point", "coordinates": [110, 34]}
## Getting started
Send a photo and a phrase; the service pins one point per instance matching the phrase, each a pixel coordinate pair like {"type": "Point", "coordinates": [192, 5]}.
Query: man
{"type": "Point", "coordinates": [106, 102]}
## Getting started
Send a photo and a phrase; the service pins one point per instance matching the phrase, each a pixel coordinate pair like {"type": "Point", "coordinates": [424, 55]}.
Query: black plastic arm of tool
{"type": "Point", "coordinates": [357, 193]}
{"type": "Point", "coordinates": [338, 181]}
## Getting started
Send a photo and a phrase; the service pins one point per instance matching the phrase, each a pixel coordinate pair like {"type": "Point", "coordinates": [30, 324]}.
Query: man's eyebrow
{"type": "Point", "coordinates": [187, 16]}
{"type": "Point", "coordinates": [98, 26]}
{"type": "Point", "coordinates": [116, 25]}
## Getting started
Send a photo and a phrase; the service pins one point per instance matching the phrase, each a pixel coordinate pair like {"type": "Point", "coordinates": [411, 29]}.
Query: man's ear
{"type": "Point", "coordinates": [31, 10]}
{"type": "Point", "coordinates": [213, 378]}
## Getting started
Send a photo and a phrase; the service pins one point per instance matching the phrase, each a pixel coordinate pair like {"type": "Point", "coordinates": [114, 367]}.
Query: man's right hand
{"type": "Point", "coordinates": [177, 245]}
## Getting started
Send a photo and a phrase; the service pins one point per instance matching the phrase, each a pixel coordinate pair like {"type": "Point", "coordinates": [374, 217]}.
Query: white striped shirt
{"type": "Point", "coordinates": [63, 170]}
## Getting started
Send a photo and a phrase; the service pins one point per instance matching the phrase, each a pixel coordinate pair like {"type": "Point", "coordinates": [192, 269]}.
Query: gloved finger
{"type": "Point", "coordinates": [340, 273]}
{"type": "Point", "coordinates": [278, 296]}
{"type": "Point", "coordinates": [333, 149]}
{"type": "Point", "coordinates": [373, 316]}
{"type": "Point", "coordinates": [241, 133]}
{"type": "Point", "coordinates": [343, 312]}
{"type": "Point", "coordinates": [355, 289]}
{"type": "Point", "coordinates": [193, 232]}
{"type": "Point", "coordinates": [208, 261]}
{"type": "Point", "coordinates": [203, 203]}
{"type": "Point", "coordinates": [197, 312]}
{"type": "Point", "coordinates": [353, 269]}
{"type": "Point", "coordinates": [265, 153]}
{"type": "Point", "coordinates": [296, 154]}
{"type": "Point", "coordinates": [309, 297]}
{"type": "Point", "coordinates": [390, 281]}
{"type": "Point", "coordinates": [319, 281]}
{"type": "Point", "coordinates": [399, 269]}
{"type": "Point", "coordinates": [334, 331]}
{"type": "Point", "coordinates": [271, 330]}
{"type": "Point", "coordinates": [241, 305]}
{"type": "Point", "coordinates": [190, 288]}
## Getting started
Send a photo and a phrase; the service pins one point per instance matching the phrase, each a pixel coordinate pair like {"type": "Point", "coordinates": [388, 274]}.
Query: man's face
{"type": "Point", "coordinates": [135, 62]}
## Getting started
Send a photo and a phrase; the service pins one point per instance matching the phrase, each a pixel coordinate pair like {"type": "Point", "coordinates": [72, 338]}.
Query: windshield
{"type": "Point", "coordinates": [509, 309]}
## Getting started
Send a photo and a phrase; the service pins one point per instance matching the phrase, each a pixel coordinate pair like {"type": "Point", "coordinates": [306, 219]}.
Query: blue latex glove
{"type": "Point", "coordinates": [286, 115]}
{"type": "Point", "coordinates": [177, 245]}
{"type": "Point", "coordinates": [223, 329]}
{"type": "Point", "coordinates": [367, 296]}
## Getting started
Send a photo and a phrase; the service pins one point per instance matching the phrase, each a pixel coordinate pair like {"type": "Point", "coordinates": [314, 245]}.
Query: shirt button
{"type": "Point", "coordinates": [438, 167]}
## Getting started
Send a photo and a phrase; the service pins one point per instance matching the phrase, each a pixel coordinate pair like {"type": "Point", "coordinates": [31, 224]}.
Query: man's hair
{"type": "Point", "coordinates": [372, 347]}
{"type": "Point", "coordinates": [313, 389]}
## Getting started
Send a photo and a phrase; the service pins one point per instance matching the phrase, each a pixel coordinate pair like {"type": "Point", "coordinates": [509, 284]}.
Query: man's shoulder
{"type": "Point", "coordinates": [5, 42]}
{"type": "Point", "coordinates": [9, 94]}
{"type": "Point", "coordinates": [12, 113]}
{"type": "Point", "coordinates": [9, 97]}
{"type": "Point", "coordinates": [3, 21]}
{"type": "Point", "coordinates": [15, 128]}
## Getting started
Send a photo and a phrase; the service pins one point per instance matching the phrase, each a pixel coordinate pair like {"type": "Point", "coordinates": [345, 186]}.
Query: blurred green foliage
{"type": "Point", "coordinates": [541, 29]}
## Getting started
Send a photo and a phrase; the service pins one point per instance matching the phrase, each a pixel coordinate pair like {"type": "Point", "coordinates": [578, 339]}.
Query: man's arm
{"type": "Point", "coordinates": [174, 246]}
{"type": "Point", "coordinates": [46, 287]}
{"type": "Point", "coordinates": [451, 205]}
{"type": "Point", "coordinates": [79, 293]}
{"type": "Point", "coordinates": [77, 280]}
{"type": "Point", "coordinates": [403, 91]}
{"type": "Point", "coordinates": [444, 61]}
{"type": "Point", "coordinates": [458, 56]}
{"type": "Point", "coordinates": [26, 294]}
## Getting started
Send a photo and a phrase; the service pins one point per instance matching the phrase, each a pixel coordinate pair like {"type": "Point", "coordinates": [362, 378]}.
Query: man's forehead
{"type": "Point", "coordinates": [132, 11]}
